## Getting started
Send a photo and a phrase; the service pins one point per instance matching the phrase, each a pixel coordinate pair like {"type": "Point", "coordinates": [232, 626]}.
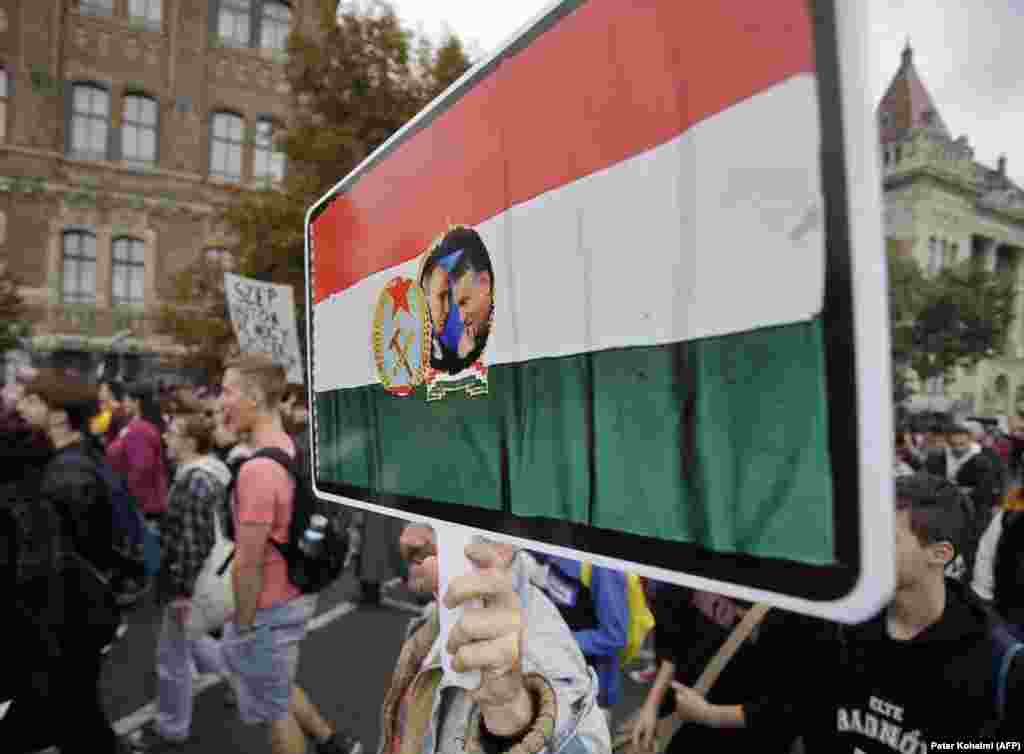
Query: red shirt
{"type": "Point", "coordinates": [137, 455]}
{"type": "Point", "coordinates": [263, 495]}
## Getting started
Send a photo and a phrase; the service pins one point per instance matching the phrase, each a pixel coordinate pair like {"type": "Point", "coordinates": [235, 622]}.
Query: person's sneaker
{"type": "Point", "coordinates": [147, 740]}
{"type": "Point", "coordinates": [119, 633]}
{"type": "Point", "coordinates": [342, 742]}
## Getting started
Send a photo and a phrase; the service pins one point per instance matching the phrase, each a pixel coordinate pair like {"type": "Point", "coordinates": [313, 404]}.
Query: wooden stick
{"type": "Point", "coordinates": [669, 726]}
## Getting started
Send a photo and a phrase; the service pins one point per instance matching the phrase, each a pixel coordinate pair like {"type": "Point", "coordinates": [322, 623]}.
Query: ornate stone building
{"type": "Point", "coordinates": [124, 125]}
{"type": "Point", "coordinates": [943, 206]}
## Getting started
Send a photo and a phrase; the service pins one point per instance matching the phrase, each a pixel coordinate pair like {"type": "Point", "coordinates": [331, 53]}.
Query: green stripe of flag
{"type": "Point", "coordinates": [720, 442]}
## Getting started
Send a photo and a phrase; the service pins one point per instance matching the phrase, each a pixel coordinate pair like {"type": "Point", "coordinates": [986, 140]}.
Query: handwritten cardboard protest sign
{"type": "Point", "coordinates": [263, 315]}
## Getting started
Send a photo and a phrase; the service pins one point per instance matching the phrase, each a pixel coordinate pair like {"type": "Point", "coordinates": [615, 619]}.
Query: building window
{"type": "Point", "coordinates": [275, 23]}
{"type": "Point", "coordinates": [268, 160]}
{"type": "Point", "coordinates": [949, 254]}
{"type": "Point", "coordinates": [129, 272]}
{"type": "Point", "coordinates": [1004, 260]}
{"type": "Point", "coordinates": [78, 276]}
{"type": "Point", "coordinates": [90, 115]}
{"type": "Point", "coordinates": [226, 147]}
{"type": "Point", "coordinates": [233, 22]}
{"type": "Point", "coordinates": [253, 23]}
{"type": "Point", "coordinates": [96, 7]}
{"type": "Point", "coordinates": [4, 93]}
{"type": "Point", "coordinates": [147, 12]}
{"type": "Point", "coordinates": [934, 256]}
{"type": "Point", "coordinates": [138, 130]}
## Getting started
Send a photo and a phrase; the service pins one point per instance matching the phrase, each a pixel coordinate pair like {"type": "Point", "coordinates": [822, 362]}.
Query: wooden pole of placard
{"type": "Point", "coordinates": [668, 726]}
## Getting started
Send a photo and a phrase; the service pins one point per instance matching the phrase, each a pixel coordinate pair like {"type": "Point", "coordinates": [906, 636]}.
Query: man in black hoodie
{"type": "Point", "coordinates": [62, 410]}
{"type": "Point", "coordinates": [922, 671]}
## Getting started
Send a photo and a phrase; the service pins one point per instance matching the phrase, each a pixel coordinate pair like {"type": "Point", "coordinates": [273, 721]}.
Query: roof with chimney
{"type": "Point", "coordinates": [907, 104]}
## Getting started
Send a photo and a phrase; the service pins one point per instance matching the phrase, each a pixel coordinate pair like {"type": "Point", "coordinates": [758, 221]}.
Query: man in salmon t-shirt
{"type": "Point", "coordinates": [261, 644]}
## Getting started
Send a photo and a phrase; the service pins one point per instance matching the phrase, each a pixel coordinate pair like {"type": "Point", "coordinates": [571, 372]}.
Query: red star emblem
{"type": "Point", "coordinates": [398, 289]}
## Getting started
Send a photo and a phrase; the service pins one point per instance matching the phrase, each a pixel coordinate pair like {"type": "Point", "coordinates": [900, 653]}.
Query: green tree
{"type": "Point", "coordinates": [953, 319]}
{"type": "Point", "coordinates": [354, 83]}
{"type": "Point", "coordinates": [197, 315]}
{"type": "Point", "coordinates": [438, 69]}
{"type": "Point", "coordinates": [13, 324]}
{"type": "Point", "coordinates": [907, 286]}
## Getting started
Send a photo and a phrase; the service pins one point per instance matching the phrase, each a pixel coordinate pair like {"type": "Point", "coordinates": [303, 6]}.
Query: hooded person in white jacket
{"type": "Point", "coordinates": [536, 696]}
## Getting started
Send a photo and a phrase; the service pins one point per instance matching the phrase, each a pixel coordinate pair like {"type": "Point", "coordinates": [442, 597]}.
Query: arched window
{"type": "Point", "coordinates": [146, 12]}
{"type": "Point", "coordinates": [128, 280]}
{"type": "Point", "coordinates": [934, 256]}
{"type": "Point", "coordinates": [78, 271]}
{"type": "Point", "coordinates": [226, 136]}
{"type": "Point", "coordinates": [252, 23]}
{"type": "Point", "coordinates": [90, 118]}
{"type": "Point", "coordinates": [275, 23]}
{"type": "Point", "coordinates": [139, 129]}
{"type": "Point", "coordinates": [233, 22]}
{"type": "Point", "coordinates": [268, 160]}
{"type": "Point", "coordinates": [96, 7]}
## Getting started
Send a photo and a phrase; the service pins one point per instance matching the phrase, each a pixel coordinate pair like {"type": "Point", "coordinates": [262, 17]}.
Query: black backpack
{"type": "Point", "coordinates": [135, 547]}
{"type": "Point", "coordinates": [309, 575]}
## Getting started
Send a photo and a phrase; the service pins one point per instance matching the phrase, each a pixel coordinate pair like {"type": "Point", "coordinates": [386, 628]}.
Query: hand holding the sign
{"type": "Point", "coordinates": [490, 639]}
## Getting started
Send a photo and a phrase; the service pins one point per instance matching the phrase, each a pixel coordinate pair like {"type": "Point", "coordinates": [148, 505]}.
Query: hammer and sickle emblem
{"type": "Point", "coordinates": [401, 348]}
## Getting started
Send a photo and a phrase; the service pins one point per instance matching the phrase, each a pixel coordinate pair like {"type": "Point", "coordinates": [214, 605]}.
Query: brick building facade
{"type": "Point", "coordinates": [124, 125]}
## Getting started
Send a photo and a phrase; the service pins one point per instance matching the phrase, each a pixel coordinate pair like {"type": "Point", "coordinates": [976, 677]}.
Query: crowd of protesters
{"type": "Point", "coordinates": [551, 642]}
{"type": "Point", "coordinates": [62, 441]}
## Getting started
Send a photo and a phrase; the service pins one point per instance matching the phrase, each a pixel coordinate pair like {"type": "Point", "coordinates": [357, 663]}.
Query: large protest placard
{"type": "Point", "coordinates": [619, 294]}
{"type": "Point", "coordinates": [263, 315]}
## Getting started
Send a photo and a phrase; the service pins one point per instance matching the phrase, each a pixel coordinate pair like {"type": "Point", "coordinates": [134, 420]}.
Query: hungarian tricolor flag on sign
{"type": "Point", "coordinates": [587, 285]}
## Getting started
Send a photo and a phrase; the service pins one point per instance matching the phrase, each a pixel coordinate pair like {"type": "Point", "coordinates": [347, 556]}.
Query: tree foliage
{"type": "Point", "coordinates": [953, 319]}
{"type": "Point", "coordinates": [13, 324]}
{"type": "Point", "coordinates": [354, 82]}
{"type": "Point", "coordinates": [198, 315]}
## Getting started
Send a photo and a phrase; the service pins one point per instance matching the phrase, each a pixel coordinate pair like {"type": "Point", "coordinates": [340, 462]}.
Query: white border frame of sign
{"type": "Point", "coordinates": [868, 369]}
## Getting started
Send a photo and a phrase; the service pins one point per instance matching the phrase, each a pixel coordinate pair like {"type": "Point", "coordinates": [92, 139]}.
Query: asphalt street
{"type": "Point", "coordinates": [345, 667]}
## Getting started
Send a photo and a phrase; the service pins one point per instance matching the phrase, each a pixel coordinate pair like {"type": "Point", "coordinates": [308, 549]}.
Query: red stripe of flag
{"type": "Point", "coordinates": [612, 79]}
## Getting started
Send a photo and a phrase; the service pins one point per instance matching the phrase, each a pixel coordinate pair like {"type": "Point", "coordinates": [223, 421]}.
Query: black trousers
{"type": "Point", "coordinates": [60, 706]}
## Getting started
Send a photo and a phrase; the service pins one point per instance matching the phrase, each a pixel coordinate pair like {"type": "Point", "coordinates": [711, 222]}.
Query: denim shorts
{"type": "Point", "coordinates": [266, 659]}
